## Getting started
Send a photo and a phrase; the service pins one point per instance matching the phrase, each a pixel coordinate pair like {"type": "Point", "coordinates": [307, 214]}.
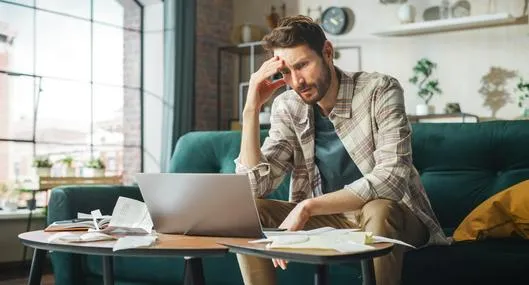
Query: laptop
{"type": "Point", "coordinates": [202, 204]}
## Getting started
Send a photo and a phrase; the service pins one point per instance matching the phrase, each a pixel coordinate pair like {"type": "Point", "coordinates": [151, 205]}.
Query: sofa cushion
{"type": "Point", "coordinates": [503, 215]}
{"type": "Point", "coordinates": [214, 152]}
{"type": "Point", "coordinates": [461, 165]}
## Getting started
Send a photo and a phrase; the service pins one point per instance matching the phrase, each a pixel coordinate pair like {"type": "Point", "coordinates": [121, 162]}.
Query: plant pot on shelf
{"type": "Point", "coordinates": [9, 205]}
{"type": "Point", "coordinates": [43, 171]}
{"type": "Point", "coordinates": [69, 172]}
{"type": "Point", "coordinates": [93, 172]}
{"type": "Point", "coordinates": [423, 109]}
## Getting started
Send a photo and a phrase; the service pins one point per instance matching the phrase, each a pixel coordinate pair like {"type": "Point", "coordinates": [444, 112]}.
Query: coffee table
{"type": "Point", "coordinates": [191, 248]}
{"type": "Point", "coordinates": [322, 258]}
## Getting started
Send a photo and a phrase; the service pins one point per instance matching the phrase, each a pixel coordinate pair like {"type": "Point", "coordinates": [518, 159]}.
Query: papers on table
{"type": "Point", "coordinates": [341, 240]}
{"type": "Point", "coordinates": [129, 217]}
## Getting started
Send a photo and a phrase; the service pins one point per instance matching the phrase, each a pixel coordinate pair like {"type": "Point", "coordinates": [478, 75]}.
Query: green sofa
{"type": "Point", "coordinates": [461, 165]}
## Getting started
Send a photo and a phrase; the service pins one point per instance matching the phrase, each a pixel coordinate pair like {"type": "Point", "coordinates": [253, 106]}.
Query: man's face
{"type": "Point", "coordinates": [306, 72]}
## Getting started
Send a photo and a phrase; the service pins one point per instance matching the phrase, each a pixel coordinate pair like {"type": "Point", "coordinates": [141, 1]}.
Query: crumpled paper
{"type": "Point", "coordinates": [128, 242]}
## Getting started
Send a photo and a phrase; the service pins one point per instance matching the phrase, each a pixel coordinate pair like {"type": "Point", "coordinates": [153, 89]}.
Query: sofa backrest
{"type": "Point", "coordinates": [461, 165]}
{"type": "Point", "coordinates": [214, 152]}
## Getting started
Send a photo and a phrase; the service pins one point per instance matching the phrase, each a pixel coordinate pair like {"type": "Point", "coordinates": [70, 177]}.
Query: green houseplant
{"type": "Point", "coordinates": [68, 162]}
{"type": "Point", "coordinates": [42, 166]}
{"type": "Point", "coordinates": [94, 168]}
{"type": "Point", "coordinates": [522, 90]}
{"type": "Point", "coordinates": [428, 87]}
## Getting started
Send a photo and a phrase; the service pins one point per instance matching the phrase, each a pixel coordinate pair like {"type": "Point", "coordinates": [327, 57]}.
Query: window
{"type": "Point", "coordinates": [70, 86]}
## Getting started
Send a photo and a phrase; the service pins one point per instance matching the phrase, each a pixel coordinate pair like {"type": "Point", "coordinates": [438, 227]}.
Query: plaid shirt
{"type": "Point", "coordinates": [370, 120]}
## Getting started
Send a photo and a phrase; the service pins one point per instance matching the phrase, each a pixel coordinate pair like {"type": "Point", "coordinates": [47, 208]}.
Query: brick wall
{"type": "Point", "coordinates": [132, 103]}
{"type": "Point", "coordinates": [214, 26]}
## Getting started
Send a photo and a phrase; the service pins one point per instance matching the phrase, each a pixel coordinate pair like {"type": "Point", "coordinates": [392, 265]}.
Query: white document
{"type": "Point", "coordinates": [134, 242]}
{"type": "Point", "coordinates": [129, 217]}
{"type": "Point", "coordinates": [338, 240]}
{"type": "Point", "coordinates": [341, 240]}
{"type": "Point", "coordinates": [78, 237]}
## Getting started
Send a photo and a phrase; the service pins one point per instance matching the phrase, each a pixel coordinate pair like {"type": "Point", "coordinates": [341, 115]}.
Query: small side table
{"type": "Point", "coordinates": [191, 248]}
{"type": "Point", "coordinates": [322, 258]}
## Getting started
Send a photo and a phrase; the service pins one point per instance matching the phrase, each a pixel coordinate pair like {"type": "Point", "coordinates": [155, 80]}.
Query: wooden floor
{"type": "Point", "coordinates": [17, 274]}
{"type": "Point", "coordinates": [46, 280]}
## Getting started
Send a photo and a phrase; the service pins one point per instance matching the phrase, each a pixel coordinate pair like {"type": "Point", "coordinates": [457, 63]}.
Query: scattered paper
{"type": "Point", "coordinates": [134, 242]}
{"type": "Point", "coordinates": [130, 217]}
{"type": "Point", "coordinates": [377, 239]}
{"type": "Point", "coordinates": [341, 240]}
{"type": "Point", "coordinates": [76, 237]}
{"type": "Point", "coordinates": [318, 231]}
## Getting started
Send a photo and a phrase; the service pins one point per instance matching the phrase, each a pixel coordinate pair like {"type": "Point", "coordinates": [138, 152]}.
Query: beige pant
{"type": "Point", "coordinates": [382, 217]}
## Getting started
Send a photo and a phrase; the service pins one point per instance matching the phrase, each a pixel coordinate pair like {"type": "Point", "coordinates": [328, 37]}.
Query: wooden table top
{"type": "Point", "coordinates": [166, 245]}
{"type": "Point", "coordinates": [313, 256]}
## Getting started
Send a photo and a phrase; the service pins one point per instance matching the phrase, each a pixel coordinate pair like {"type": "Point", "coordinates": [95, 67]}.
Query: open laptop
{"type": "Point", "coordinates": [204, 204]}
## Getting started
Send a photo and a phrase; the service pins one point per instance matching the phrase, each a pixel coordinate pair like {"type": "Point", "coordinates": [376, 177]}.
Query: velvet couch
{"type": "Point", "coordinates": [461, 165]}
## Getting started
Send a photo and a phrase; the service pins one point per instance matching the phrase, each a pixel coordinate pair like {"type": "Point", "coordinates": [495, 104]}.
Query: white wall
{"type": "Point", "coordinates": [463, 57]}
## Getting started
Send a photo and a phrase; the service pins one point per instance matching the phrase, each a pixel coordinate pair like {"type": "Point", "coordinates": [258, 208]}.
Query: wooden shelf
{"type": "Point", "coordinates": [455, 24]}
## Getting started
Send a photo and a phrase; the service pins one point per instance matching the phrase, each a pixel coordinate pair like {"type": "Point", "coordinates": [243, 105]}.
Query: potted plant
{"type": "Point", "coordinates": [522, 90]}
{"type": "Point", "coordinates": [9, 196]}
{"type": "Point", "coordinates": [67, 163]}
{"type": "Point", "coordinates": [42, 166]}
{"type": "Point", "coordinates": [94, 168]}
{"type": "Point", "coordinates": [427, 87]}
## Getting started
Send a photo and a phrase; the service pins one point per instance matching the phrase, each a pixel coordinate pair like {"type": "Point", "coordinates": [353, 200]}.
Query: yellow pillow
{"type": "Point", "coordinates": [505, 214]}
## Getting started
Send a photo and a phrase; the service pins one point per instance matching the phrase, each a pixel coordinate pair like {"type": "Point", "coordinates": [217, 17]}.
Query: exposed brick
{"type": "Point", "coordinates": [214, 26]}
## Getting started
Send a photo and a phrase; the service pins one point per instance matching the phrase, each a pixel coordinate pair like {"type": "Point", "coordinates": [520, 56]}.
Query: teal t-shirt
{"type": "Point", "coordinates": [336, 167]}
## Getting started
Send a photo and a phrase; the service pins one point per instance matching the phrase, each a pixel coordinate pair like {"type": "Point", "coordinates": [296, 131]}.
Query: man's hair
{"type": "Point", "coordinates": [295, 31]}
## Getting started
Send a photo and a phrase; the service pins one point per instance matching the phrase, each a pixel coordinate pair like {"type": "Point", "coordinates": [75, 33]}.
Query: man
{"type": "Point", "coordinates": [346, 141]}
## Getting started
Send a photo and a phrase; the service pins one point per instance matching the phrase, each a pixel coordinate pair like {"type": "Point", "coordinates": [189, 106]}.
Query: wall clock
{"type": "Point", "coordinates": [334, 20]}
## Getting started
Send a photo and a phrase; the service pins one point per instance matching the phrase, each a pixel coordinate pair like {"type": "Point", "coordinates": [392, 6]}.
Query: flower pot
{"type": "Point", "coordinates": [93, 172]}
{"type": "Point", "coordinates": [31, 204]}
{"type": "Point", "coordinates": [423, 109]}
{"type": "Point", "coordinates": [9, 205]}
{"type": "Point", "coordinates": [69, 172]}
{"type": "Point", "coordinates": [406, 13]}
{"type": "Point", "coordinates": [43, 171]}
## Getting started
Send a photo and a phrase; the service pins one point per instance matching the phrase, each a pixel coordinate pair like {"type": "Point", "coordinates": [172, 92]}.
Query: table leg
{"type": "Point", "coordinates": [193, 271]}
{"type": "Point", "coordinates": [368, 272]}
{"type": "Point", "coordinates": [320, 276]}
{"type": "Point", "coordinates": [108, 270]}
{"type": "Point", "coordinates": [35, 273]}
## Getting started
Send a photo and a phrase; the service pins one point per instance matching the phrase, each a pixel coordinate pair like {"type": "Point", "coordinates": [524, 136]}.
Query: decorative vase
{"type": "Point", "coordinates": [264, 117]}
{"type": "Point", "coordinates": [406, 13]}
{"type": "Point", "coordinates": [69, 172]}
{"type": "Point", "coordinates": [423, 109]}
{"type": "Point", "coordinates": [9, 205]}
{"type": "Point", "coordinates": [93, 172]}
{"type": "Point", "coordinates": [246, 33]}
{"type": "Point", "coordinates": [43, 171]}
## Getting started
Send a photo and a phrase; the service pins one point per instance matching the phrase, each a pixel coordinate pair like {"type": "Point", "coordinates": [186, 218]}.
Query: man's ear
{"type": "Point", "coordinates": [328, 52]}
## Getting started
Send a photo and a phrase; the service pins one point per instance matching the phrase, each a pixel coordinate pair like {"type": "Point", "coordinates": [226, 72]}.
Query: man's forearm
{"type": "Point", "coordinates": [251, 138]}
{"type": "Point", "coordinates": [333, 203]}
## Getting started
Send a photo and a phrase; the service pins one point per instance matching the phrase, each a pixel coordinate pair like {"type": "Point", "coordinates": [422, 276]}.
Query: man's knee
{"type": "Point", "coordinates": [382, 217]}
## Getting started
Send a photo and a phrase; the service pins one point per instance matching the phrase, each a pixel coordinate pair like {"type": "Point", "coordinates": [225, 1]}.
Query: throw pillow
{"type": "Point", "coordinates": [505, 214]}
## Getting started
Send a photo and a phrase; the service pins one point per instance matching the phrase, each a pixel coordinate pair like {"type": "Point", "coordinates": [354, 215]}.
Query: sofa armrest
{"type": "Point", "coordinates": [66, 201]}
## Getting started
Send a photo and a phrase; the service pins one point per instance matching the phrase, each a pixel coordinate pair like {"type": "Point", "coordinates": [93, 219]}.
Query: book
{"type": "Point", "coordinates": [128, 217]}
{"type": "Point", "coordinates": [82, 224]}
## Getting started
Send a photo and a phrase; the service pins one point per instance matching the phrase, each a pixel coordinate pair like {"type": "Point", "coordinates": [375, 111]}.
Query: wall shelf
{"type": "Point", "coordinates": [455, 24]}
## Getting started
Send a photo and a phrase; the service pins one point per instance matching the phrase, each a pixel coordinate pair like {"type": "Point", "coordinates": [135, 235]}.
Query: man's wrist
{"type": "Point", "coordinates": [308, 206]}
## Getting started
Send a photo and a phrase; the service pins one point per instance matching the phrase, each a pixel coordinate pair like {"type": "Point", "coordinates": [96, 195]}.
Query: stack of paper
{"type": "Point", "coordinates": [327, 238]}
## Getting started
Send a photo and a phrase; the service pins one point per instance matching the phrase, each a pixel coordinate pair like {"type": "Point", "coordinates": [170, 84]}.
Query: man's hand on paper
{"type": "Point", "coordinates": [295, 221]}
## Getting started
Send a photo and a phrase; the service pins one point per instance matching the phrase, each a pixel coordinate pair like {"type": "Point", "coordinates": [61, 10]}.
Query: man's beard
{"type": "Point", "coordinates": [322, 86]}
